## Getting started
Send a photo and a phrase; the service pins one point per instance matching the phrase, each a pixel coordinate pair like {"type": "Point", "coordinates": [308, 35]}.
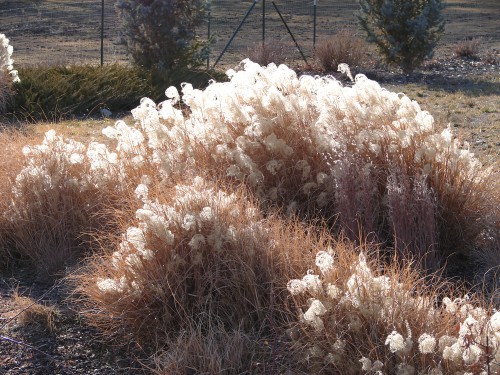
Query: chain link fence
{"type": "Point", "coordinates": [64, 31]}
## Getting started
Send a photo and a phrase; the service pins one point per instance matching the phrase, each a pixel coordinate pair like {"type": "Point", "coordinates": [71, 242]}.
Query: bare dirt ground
{"type": "Point", "coordinates": [62, 31]}
{"type": "Point", "coordinates": [41, 334]}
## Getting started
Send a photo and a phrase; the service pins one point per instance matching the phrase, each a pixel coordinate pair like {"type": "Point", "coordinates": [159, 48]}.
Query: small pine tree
{"type": "Point", "coordinates": [405, 31]}
{"type": "Point", "coordinates": [161, 34]}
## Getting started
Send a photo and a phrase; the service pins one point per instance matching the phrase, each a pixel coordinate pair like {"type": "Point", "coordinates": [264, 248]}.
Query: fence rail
{"type": "Point", "coordinates": [62, 31]}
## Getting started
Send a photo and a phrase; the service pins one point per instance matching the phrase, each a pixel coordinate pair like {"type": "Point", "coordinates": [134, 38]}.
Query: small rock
{"type": "Point", "coordinates": [105, 112]}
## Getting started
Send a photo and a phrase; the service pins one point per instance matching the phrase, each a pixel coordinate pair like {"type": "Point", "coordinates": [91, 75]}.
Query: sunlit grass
{"type": "Point", "coordinates": [191, 222]}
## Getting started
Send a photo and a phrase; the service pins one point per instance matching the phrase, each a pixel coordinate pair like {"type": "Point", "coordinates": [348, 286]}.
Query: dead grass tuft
{"type": "Point", "coordinates": [343, 47]}
{"type": "Point", "coordinates": [36, 313]}
{"type": "Point", "coordinates": [271, 51]}
{"type": "Point", "coordinates": [28, 311]}
{"type": "Point", "coordinates": [5, 89]}
{"type": "Point", "coordinates": [468, 48]}
{"type": "Point", "coordinates": [214, 350]}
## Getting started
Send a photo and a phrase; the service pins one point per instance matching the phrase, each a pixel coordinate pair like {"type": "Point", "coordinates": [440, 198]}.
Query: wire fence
{"type": "Point", "coordinates": [278, 21]}
{"type": "Point", "coordinates": [60, 32]}
{"type": "Point", "coordinates": [69, 32]}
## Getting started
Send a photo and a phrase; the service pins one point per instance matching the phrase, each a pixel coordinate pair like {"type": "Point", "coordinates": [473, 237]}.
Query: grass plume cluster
{"type": "Point", "coordinates": [8, 75]}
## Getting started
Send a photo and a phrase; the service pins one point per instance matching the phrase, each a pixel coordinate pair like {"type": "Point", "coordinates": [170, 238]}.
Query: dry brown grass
{"type": "Point", "coordinates": [237, 278]}
{"type": "Point", "coordinates": [11, 161]}
{"type": "Point", "coordinates": [234, 300]}
{"type": "Point", "coordinates": [208, 351]}
{"type": "Point", "coordinates": [5, 88]}
{"type": "Point", "coordinates": [355, 330]}
{"type": "Point", "coordinates": [25, 311]}
{"type": "Point", "coordinates": [468, 48]}
{"type": "Point", "coordinates": [434, 217]}
{"type": "Point", "coordinates": [237, 295]}
{"type": "Point", "coordinates": [413, 217]}
{"type": "Point", "coordinates": [32, 312]}
{"type": "Point", "coordinates": [343, 47]}
{"type": "Point", "coordinates": [85, 130]}
{"type": "Point", "coordinates": [271, 51]}
{"type": "Point", "coordinates": [51, 225]}
{"type": "Point", "coordinates": [229, 295]}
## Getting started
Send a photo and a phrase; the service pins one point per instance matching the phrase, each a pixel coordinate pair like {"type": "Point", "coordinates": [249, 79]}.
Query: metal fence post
{"type": "Point", "coordinates": [290, 32]}
{"type": "Point", "coordinates": [236, 31]}
{"type": "Point", "coordinates": [208, 31]}
{"type": "Point", "coordinates": [102, 32]}
{"type": "Point", "coordinates": [263, 22]}
{"type": "Point", "coordinates": [314, 25]}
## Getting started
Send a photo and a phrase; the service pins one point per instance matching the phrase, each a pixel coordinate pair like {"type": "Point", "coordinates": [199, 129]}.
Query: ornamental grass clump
{"type": "Point", "coordinates": [215, 201]}
{"type": "Point", "coordinates": [51, 200]}
{"type": "Point", "coordinates": [194, 255]}
{"type": "Point", "coordinates": [355, 319]}
{"type": "Point", "coordinates": [316, 148]}
{"type": "Point", "coordinates": [360, 158]}
{"type": "Point", "coordinates": [343, 47]}
{"type": "Point", "coordinates": [10, 164]}
{"type": "Point", "coordinates": [58, 197]}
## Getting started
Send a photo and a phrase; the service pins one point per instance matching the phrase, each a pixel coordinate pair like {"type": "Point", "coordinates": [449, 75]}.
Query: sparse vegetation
{"type": "Point", "coordinates": [342, 47]}
{"type": "Point", "coordinates": [468, 48]}
{"type": "Point", "coordinates": [31, 312]}
{"type": "Point", "coordinates": [271, 51]}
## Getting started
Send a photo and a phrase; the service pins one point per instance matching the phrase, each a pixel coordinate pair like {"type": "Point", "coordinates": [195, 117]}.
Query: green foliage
{"type": "Point", "coordinates": [405, 31]}
{"type": "Point", "coordinates": [161, 34]}
{"type": "Point", "coordinates": [58, 92]}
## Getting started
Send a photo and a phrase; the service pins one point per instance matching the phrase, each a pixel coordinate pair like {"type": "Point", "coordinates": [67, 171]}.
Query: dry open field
{"type": "Point", "coordinates": [61, 31]}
